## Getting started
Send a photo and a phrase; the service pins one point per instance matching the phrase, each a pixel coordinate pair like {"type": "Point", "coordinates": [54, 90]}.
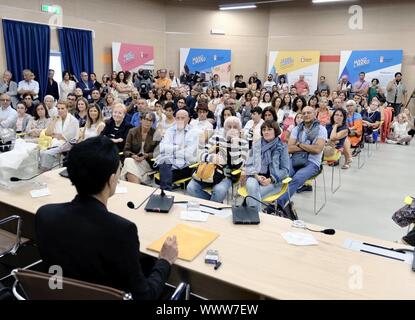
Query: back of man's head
{"type": "Point", "coordinates": [91, 163]}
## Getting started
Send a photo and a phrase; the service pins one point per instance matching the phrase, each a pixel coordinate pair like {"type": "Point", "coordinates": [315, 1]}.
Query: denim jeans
{"type": "Point", "coordinates": [168, 175]}
{"type": "Point", "coordinates": [299, 177]}
{"type": "Point", "coordinates": [219, 191]}
{"type": "Point", "coordinates": [257, 191]}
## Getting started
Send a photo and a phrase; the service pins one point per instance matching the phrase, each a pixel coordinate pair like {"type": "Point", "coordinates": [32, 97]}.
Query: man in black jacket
{"type": "Point", "coordinates": [52, 88]}
{"type": "Point", "coordinates": [90, 243]}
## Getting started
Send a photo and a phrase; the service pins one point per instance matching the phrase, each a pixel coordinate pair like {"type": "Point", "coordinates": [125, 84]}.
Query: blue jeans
{"type": "Point", "coordinates": [257, 191]}
{"type": "Point", "coordinates": [219, 191]}
{"type": "Point", "coordinates": [168, 175]}
{"type": "Point", "coordinates": [299, 177]}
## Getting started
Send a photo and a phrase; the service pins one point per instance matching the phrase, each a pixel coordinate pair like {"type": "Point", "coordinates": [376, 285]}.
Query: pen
{"type": "Point", "coordinates": [218, 264]}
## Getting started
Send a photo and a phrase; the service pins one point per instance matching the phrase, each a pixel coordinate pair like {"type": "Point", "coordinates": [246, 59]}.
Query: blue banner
{"type": "Point", "coordinates": [204, 60]}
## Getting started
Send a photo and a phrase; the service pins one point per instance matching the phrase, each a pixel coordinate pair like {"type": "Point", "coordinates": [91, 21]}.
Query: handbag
{"type": "Point", "coordinates": [44, 141]}
{"type": "Point", "coordinates": [405, 215]}
{"type": "Point", "coordinates": [209, 173]}
{"type": "Point", "coordinates": [299, 159]}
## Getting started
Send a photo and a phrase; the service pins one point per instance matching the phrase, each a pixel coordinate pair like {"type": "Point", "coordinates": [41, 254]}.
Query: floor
{"type": "Point", "coordinates": [368, 197]}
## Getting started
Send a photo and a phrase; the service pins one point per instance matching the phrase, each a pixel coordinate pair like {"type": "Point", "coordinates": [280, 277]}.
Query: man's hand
{"type": "Point", "coordinates": [169, 251]}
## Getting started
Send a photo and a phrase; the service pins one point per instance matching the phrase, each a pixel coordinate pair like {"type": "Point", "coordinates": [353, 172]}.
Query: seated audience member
{"type": "Point", "coordinates": [122, 87]}
{"type": "Point", "coordinates": [344, 86]}
{"type": "Point", "coordinates": [22, 118]}
{"type": "Point", "coordinates": [38, 123]}
{"type": "Point", "coordinates": [166, 123]}
{"type": "Point", "coordinates": [322, 85]}
{"type": "Point", "coordinates": [277, 106]}
{"type": "Point", "coordinates": [78, 93]}
{"type": "Point", "coordinates": [298, 104]}
{"type": "Point", "coordinates": [266, 100]}
{"type": "Point", "coordinates": [178, 150]}
{"type": "Point", "coordinates": [253, 126]}
{"type": "Point", "coordinates": [95, 81]}
{"type": "Point", "coordinates": [71, 101]}
{"type": "Point", "coordinates": [269, 114]}
{"type": "Point", "coordinates": [8, 115]}
{"type": "Point", "coordinates": [28, 101]}
{"type": "Point", "coordinates": [163, 82]}
{"type": "Point", "coordinates": [226, 113]}
{"type": "Point", "coordinates": [63, 230]}
{"type": "Point", "coordinates": [338, 103]}
{"type": "Point", "coordinates": [9, 87]}
{"type": "Point", "coordinates": [152, 94]}
{"type": "Point", "coordinates": [355, 124]}
{"type": "Point", "coordinates": [49, 102]}
{"type": "Point", "coordinates": [96, 98]}
{"type": "Point", "coordinates": [109, 105]}
{"type": "Point", "coordinates": [228, 151]}
{"type": "Point", "coordinates": [313, 102]}
{"type": "Point", "coordinates": [159, 112]}
{"type": "Point", "coordinates": [285, 136]}
{"type": "Point", "coordinates": [371, 122]}
{"type": "Point", "coordinates": [269, 166]}
{"type": "Point", "coordinates": [66, 86]}
{"type": "Point", "coordinates": [138, 151]}
{"type": "Point", "coordinates": [117, 127]}
{"type": "Point", "coordinates": [221, 105]}
{"type": "Point", "coordinates": [64, 129]}
{"type": "Point", "coordinates": [85, 85]}
{"type": "Point", "coordinates": [400, 134]}
{"type": "Point", "coordinates": [201, 123]}
{"type": "Point", "coordinates": [269, 83]}
{"type": "Point", "coordinates": [306, 146]}
{"type": "Point", "coordinates": [141, 107]}
{"type": "Point", "coordinates": [28, 86]}
{"type": "Point", "coordinates": [240, 87]}
{"type": "Point", "coordinates": [81, 111]}
{"type": "Point", "coordinates": [94, 123]}
{"type": "Point", "coordinates": [337, 132]}
{"type": "Point", "coordinates": [323, 112]}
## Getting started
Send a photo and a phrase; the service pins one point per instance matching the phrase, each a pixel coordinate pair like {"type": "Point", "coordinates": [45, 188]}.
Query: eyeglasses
{"type": "Point", "coordinates": [5, 100]}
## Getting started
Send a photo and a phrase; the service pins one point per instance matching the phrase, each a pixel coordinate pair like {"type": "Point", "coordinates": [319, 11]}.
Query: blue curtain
{"type": "Point", "coordinates": [27, 47]}
{"type": "Point", "coordinates": [76, 50]}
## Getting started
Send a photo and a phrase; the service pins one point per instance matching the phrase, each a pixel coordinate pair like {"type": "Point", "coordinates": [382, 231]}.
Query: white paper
{"type": "Point", "coordinates": [121, 189]}
{"type": "Point", "coordinates": [194, 216]}
{"type": "Point", "coordinates": [299, 238]}
{"type": "Point", "coordinates": [224, 213]}
{"type": "Point", "coordinates": [40, 193]}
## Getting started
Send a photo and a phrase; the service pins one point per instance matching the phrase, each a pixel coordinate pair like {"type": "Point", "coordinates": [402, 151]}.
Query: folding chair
{"type": "Point", "coordinates": [313, 180]}
{"type": "Point", "coordinates": [10, 242]}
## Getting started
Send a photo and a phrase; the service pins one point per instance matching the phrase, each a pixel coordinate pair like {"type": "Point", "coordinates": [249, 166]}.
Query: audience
{"type": "Point", "coordinates": [396, 93]}
{"type": "Point", "coordinates": [400, 127]}
{"type": "Point", "coordinates": [81, 111]}
{"type": "Point", "coordinates": [9, 87]}
{"type": "Point", "coordinates": [38, 123]}
{"type": "Point", "coordinates": [66, 86]}
{"type": "Point", "coordinates": [28, 86]}
{"type": "Point", "coordinates": [22, 118]}
{"type": "Point", "coordinates": [52, 87]}
{"type": "Point", "coordinates": [117, 127]}
{"type": "Point", "coordinates": [94, 123]}
{"type": "Point", "coordinates": [8, 115]}
{"type": "Point", "coordinates": [253, 126]}
{"type": "Point", "coordinates": [49, 102]}
{"type": "Point", "coordinates": [355, 124]}
{"type": "Point", "coordinates": [371, 121]}
{"type": "Point", "coordinates": [85, 85]}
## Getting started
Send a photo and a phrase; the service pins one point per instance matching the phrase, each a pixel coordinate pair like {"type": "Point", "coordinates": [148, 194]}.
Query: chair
{"type": "Point", "coordinates": [360, 147]}
{"type": "Point", "coordinates": [314, 180]}
{"type": "Point", "coordinates": [181, 182]}
{"type": "Point", "coordinates": [271, 198]}
{"type": "Point", "coordinates": [34, 285]}
{"type": "Point", "coordinates": [331, 162]}
{"type": "Point", "coordinates": [9, 242]}
{"type": "Point", "coordinates": [235, 177]}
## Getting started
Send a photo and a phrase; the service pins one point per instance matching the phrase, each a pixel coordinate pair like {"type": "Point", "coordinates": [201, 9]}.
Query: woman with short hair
{"type": "Point", "coordinates": [38, 123]}
{"type": "Point", "coordinates": [117, 127]}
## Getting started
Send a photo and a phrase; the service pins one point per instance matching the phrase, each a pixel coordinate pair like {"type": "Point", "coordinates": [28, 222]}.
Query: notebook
{"type": "Point", "coordinates": [191, 241]}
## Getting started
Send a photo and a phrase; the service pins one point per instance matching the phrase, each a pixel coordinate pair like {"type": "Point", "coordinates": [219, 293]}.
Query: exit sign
{"type": "Point", "coordinates": [51, 9]}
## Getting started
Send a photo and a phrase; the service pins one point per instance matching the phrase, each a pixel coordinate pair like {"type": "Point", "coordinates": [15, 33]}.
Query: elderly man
{"type": "Point", "coordinates": [361, 86]}
{"type": "Point", "coordinates": [301, 84]}
{"type": "Point", "coordinates": [396, 93]}
{"type": "Point", "coordinates": [345, 85]}
{"type": "Point", "coordinates": [142, 105]}
{"type": "Point", "coordinates": [175, 82]}
{"type": "Point", "coordinates": [215, 83]}
{"type": "Point", "coordinates": [29, 86]}
{"type": "Point", "coordinates": [8, 116]}
{"type": "Point", "coordinates": [9, 87]}
{"type": "Point", "coordinates": [85, 85]}
{"type": "Point", "coordinates": [306, 146]}
{"type": "Point", "coordinates": [178, 150]}
{"type": "Point", "coordinates": [163, 82]}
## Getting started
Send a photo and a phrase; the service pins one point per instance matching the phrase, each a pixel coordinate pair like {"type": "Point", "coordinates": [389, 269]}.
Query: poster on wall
{"type": "Point", "coordinates": [292, 64]}
{"type": "Point", "coordinates": [132, 57]}
{"type": "Point", "coordinates": [207, 62]}
{"type": "Point", "coordinates": [379, 64]}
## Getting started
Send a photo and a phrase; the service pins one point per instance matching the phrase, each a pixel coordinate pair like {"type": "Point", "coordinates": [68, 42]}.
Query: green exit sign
{"type": "Point", "coordinates": [51, 9]}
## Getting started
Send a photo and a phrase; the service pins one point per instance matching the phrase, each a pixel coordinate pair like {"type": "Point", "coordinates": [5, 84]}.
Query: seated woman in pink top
{"type": "Point", "coordinates": [323, 113]}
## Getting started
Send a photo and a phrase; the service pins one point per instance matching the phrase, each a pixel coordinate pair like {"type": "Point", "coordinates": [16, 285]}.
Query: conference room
{"type": "Point", "coordinates": [207, 150]}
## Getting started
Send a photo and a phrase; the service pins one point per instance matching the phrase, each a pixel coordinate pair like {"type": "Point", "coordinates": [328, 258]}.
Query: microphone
{"type": "Point", "coordinates": [132, 206]}
{"type": "Point", "coordinates": [325, 231]}
{"type": "Point", "coordinates": [268, 206]}
{"type": "Point", "coordinates": [16, 179]}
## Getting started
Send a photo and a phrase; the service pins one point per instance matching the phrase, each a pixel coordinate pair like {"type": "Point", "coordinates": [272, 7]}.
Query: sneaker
{"type": "Point", "coordinates": [289, 212]}
{"type": "Point", "coordinates": [304, 188]}
{"type": "Point", "coordinates": [391, 141]}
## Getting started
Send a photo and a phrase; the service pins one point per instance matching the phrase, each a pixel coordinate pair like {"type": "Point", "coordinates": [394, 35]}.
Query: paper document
{"type": "Point", "coordinates": [191, 241]}
{"type": "Point", "coordinates": [121, 189]}
{"type": "Point", "coordinates": [194, 216]}
{"type": "Point", "coordinates": [299, 238]}
{"type": "Point", "coordinates": [40, 193]}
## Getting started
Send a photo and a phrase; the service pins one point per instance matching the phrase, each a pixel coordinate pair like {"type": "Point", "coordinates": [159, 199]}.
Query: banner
{"type": "Point", "coordinates": [292, 64]}
{"type": "Point", "coordinates": [132, 57]}
{"type": "Point", "coordinates": [208, 62]}
{"type": "Point", "coordinates": [380, 64]}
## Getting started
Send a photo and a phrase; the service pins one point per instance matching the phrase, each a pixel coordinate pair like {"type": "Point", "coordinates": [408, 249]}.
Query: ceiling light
{"type": "Point", "coordinates": [327, 1]}
{"type": "Point", "coordinates": [237, 6]}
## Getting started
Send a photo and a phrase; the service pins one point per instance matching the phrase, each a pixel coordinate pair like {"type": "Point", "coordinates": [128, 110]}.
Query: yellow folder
{"type": "Point", "coordinates": [190, 241]}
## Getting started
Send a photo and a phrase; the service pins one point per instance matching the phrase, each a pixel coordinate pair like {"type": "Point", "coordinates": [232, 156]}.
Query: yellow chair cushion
{"type": "Point", "coordinates": [271, 198]}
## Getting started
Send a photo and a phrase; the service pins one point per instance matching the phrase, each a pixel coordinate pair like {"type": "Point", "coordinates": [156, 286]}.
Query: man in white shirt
{"type": "Point", "coordinates": [269, 83]}
{"type": "Point", "coordinates": [175, 83]}
{"type": "Point", "coordinates": [8, 116]}
{"type": "Point", "coordinates": [9, 87]}
{"type": "Point", "coordinates": [28, 85]}
{"type": "Point", "coordinates": [178, 150]}
{"type": "Point", "coordinates": [201, 123]}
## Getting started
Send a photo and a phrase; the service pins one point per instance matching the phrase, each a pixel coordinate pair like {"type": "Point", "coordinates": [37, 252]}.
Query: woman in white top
{"type": "Point", "coordinates": [22, 118]}
{"type": "Point", "coordinates": [266, 100]}
{"type": "Point", "coordinates": [400, 130]}
{"type": "Point", "coordinates": [66, 86]}
{"type": "Point", "coordinates": [37, 124]}
{"type": "Point", "coordinates": [50, 105]}
{"type": "Point", "coordinates": [64, 129]}
{"type": "Point", "coordinates": [160, 116]}
{"type": "Point", "coordinates": [253, 126]}
{"type": "Point", "coordinates": [152, 94]}
{"type": "Point", "coordinates": [109, 104]}
{"type": "Point", "coordinates": [166, 123]}
{"type": "Point", "coordinates": [122, 86]}
{"type": "Point", "coordinates": [94, 123]}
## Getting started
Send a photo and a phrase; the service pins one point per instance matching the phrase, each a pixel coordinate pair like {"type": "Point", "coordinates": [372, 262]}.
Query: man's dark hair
{"type": "Point", "coordinates": [91, 164]}
{"type": "Point", "coordinates": [398, 74]}
{"type": "Point", "coordinates": [257, 110]}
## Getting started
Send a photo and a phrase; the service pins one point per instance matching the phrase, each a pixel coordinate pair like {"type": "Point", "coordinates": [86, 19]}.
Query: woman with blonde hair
{"type": "Point", "coordinates": [94, 124]}
{"type": "Point", "coordinates": [81, 113]}
{"type": "Point", "coordinates": [117, 127]}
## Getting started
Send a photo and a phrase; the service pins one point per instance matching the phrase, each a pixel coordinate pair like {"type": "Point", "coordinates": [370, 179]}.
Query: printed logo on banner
{"type": "Point", "coordinates": [133, 56]}
{"type": "Point", "coordinates": [361, 62]}
{"type": "Point", "coordinates": [286, 62]}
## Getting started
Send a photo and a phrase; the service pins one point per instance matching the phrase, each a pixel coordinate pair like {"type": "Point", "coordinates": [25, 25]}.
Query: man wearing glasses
{"type": "Point", "coordinates": [9, 87]}
{"type": "Point", "coordinates": [86, 85]}
{"type": "Point", "coordinates": [306, 146]}
{"type": "Point", "coordinates": [8, 116]}
{"type": "Point", "coordinates": [71, 100]}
